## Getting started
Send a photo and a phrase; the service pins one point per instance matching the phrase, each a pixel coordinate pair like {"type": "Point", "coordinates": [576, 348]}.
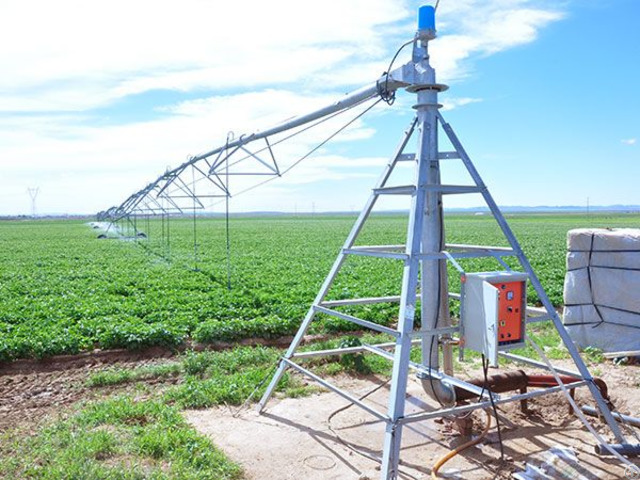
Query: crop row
{"type": "Point", "coordinates": [62, 290]}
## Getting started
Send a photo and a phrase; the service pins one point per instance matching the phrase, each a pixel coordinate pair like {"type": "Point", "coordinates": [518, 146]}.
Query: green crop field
{"type": "Point", "coordinates": [62, 290]}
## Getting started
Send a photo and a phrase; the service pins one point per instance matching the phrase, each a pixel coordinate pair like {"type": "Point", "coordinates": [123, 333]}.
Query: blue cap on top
{"type": "Point", "coordinates": [426, 18]}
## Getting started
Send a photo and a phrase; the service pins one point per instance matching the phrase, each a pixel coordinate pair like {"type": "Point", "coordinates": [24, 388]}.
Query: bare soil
{"type": "Point", "coordinates": [31, 391]}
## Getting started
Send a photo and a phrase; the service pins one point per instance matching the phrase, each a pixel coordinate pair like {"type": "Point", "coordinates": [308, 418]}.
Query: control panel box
{"type": "Point", "coordinates": [493, 312]}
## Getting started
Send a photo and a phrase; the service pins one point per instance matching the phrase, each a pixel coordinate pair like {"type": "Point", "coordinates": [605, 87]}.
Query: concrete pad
{"type": "Point", "coordinates": [321, 437]}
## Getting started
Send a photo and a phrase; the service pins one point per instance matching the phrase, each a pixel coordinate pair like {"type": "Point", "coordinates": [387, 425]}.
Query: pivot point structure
{"type": "Point", "coordinates": [494, 315]}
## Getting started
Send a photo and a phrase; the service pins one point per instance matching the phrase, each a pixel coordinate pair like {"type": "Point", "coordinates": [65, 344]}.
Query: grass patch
{"type": "Point", "coordinates": [357, 364]}
{"type": "Point", "coordinates": [228, 377]}
{"type": "Point", "coordinates": [119, 376]}
{"type": "Point", "coordinates": [119, 438]}
{"type": "Point", "coordinates": [125, 437]}
{"type": "Point", "coordinates": [211, 378]}
{"type": "Point", "coordinates": [593, 354]}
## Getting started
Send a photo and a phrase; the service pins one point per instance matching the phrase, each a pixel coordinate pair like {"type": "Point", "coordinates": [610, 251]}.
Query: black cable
{"type": "Point", "coordinates": [349, 445]}
{"type": "Point", "coordinates": [387, 96]}
{"type": "Point", "coordinates": [485, 370]}
{"type": "Point", "coordinates": [354, 448]}
{"type": "Point", "coordinates": [434, 338]}
{"type": "Point", "coordinates": [438, 305]}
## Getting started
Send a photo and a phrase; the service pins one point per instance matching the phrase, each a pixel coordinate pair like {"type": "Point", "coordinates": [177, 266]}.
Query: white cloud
{"type": "Point", "coordinates": [454, 102]}
{"type": "Point", "coordinates": [107, 163]}
{"type": "Point", "coordinates": [485, 28]}
{"type": "Point", "coordinates": [247, 64]}
{"type": "Point", "coordinates": [75, 55]}
{"type": "Point", "coordinates": [629, 141]}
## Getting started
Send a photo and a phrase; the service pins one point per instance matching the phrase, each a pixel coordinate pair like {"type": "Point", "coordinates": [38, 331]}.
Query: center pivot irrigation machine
{"type": "Point", "coordinates": [493, 312]}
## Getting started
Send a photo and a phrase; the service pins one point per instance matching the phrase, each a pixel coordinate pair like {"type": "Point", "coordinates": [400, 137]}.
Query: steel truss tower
{"type": "Point", "coordinates": [425, 256]}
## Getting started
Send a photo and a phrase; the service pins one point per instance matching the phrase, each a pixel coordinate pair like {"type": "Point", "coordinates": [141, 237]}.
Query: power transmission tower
{"type": "Point", "coordinates": [33, 194]}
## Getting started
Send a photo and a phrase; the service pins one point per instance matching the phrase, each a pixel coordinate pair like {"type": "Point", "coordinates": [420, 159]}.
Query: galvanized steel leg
{"type": "Point", "coordinates": [349, 242]}
{"type": "Point", "coordinates": [406, 316]}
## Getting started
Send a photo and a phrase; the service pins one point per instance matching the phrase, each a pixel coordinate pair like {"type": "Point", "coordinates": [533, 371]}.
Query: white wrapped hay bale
{"type": "Point", "coordinates": [602, 288]}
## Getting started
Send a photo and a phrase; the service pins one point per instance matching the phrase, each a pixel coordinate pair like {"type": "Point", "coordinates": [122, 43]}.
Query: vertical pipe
{"type": "Point", "coordinates": [430, 278]}
{"type": "Point", "coordinates": [433, 279]}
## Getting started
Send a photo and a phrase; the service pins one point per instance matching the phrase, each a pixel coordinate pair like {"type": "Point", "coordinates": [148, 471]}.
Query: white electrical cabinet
{"type": "Point", "coordinates": [493, 312]}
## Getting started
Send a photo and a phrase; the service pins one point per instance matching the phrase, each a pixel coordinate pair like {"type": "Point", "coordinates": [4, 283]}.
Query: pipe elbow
{"type": "Point", "coordinates": [441, 391]}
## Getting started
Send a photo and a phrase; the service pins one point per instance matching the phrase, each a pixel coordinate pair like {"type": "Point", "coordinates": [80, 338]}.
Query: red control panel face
{"type": "Point", "coordinates": [510, 311]}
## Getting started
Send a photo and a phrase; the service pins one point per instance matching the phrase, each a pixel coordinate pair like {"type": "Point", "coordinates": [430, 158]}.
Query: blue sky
{"type": "Point", "coordinates": [98, 98]}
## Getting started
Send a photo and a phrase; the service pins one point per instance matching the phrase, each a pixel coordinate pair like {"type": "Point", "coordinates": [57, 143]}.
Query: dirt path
{"type": "Point", "coordinates": [321, 438]}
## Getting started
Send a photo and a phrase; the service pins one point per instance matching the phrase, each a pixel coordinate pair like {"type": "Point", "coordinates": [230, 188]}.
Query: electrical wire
{"type": "Point", "coordinates": [485, 371]}
{"type": "Point", "coordinates": [390, 97]}
{"type": "Point", "coordinates": [445, 458]}
{"type": "Point", "coordinates": [350, 445]}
